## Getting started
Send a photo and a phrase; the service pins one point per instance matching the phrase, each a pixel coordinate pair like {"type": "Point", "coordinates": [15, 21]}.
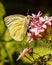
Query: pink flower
{"type": "Point", "coordinates": [30, 37]}
{"type": "Point", "coordinates": [26, 50]}
{"type": "Point", "coordinates": [48, 20]}
{"type": "Point", "coordinates": [38, 25]}
{"type": "Point", "coordinates": [36, 16]}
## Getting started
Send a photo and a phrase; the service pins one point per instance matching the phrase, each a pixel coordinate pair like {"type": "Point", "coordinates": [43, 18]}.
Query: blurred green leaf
{"type": "Point", "coordinates": [49, 63]}
{"type": "Point", "coordinates": [2, 27]}
{"type": "Point", "coordinates": [47, 14]}
{"type": "Point", "coordinates": [2, 13]}
{"type": "Point", "coordinates": [2, 10]}
{"type": "Point", "coordinates": [7, 36]}
{"type": "Point", "coordinates": [42, 50]}
{"type": "Point", "coordinates": [10, 46]}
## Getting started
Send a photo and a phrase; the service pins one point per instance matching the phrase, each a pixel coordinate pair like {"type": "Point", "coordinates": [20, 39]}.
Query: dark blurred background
{"type": "Point", "coordinates": [22, 6]}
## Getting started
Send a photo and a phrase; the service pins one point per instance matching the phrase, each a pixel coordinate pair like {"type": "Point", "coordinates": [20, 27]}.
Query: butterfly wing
{"type": "Point", "coordinates": [17, 26]}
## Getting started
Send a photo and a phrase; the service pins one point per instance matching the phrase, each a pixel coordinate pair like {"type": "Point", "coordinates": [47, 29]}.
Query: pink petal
{"type": "Point", "coordinates": [33, 15]}
{"type": "Point", "coordinates": [26, 50]}
{"type": "Point", "coordinates": [39, 14]}
{"type": "Point", "coordinates": [44, 26]}
{"type": "Point", "coordinates": [41, 19]}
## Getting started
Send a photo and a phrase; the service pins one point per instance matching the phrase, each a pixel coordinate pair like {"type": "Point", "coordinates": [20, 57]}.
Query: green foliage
{"type": "Point", "coordinates": [2, 13]}
{"type": "Point", "coordinates": [2, 27]}
{"type": "Point", "coordinates": [7, 36]}
{"type": "Point", "coordinates": [2, 10]}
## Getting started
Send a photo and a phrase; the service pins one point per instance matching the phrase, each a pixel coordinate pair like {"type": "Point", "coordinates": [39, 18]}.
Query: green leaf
{"type": "Point", "coordinates": [7, 36]}
{"type": "Point", "coordinates": [10, 46]}
{"type": "Point", "coordinates": [49, 63]}
{"type": "Point", "coordinates": [2, 10]}
{"type": "Point", "coordinates": [2, 27]}
{"type": "Point", "coordinates": [2, 13]}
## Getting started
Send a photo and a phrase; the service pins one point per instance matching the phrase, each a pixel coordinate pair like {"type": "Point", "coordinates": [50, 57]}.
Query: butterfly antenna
{"type": "Point", "coordinates": [28, 12]}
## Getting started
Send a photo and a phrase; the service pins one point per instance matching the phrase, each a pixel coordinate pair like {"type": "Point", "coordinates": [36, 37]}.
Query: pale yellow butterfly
{"type": "Point", "coordinates": [17, 25]}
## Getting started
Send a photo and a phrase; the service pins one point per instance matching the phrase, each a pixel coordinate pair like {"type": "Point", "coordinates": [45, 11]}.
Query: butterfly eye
{"type": "Point", "coordinates": [17, 25]}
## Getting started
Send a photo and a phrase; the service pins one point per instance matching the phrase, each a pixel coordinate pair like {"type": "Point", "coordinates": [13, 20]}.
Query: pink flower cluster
{"type": "Point", "coordinates": [38, 25]}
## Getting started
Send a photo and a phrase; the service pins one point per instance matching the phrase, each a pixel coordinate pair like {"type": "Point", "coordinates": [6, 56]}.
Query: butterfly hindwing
{"type": "Point", "coordinates": [17, 26]}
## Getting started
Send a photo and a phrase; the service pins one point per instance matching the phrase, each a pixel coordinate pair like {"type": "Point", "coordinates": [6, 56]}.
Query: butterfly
{"type": "Point", "coordinates": [17, 25]}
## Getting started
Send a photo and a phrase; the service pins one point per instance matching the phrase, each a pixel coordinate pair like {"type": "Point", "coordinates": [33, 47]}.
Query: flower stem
{"type": "Point", "coordinates": [29, 59]}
